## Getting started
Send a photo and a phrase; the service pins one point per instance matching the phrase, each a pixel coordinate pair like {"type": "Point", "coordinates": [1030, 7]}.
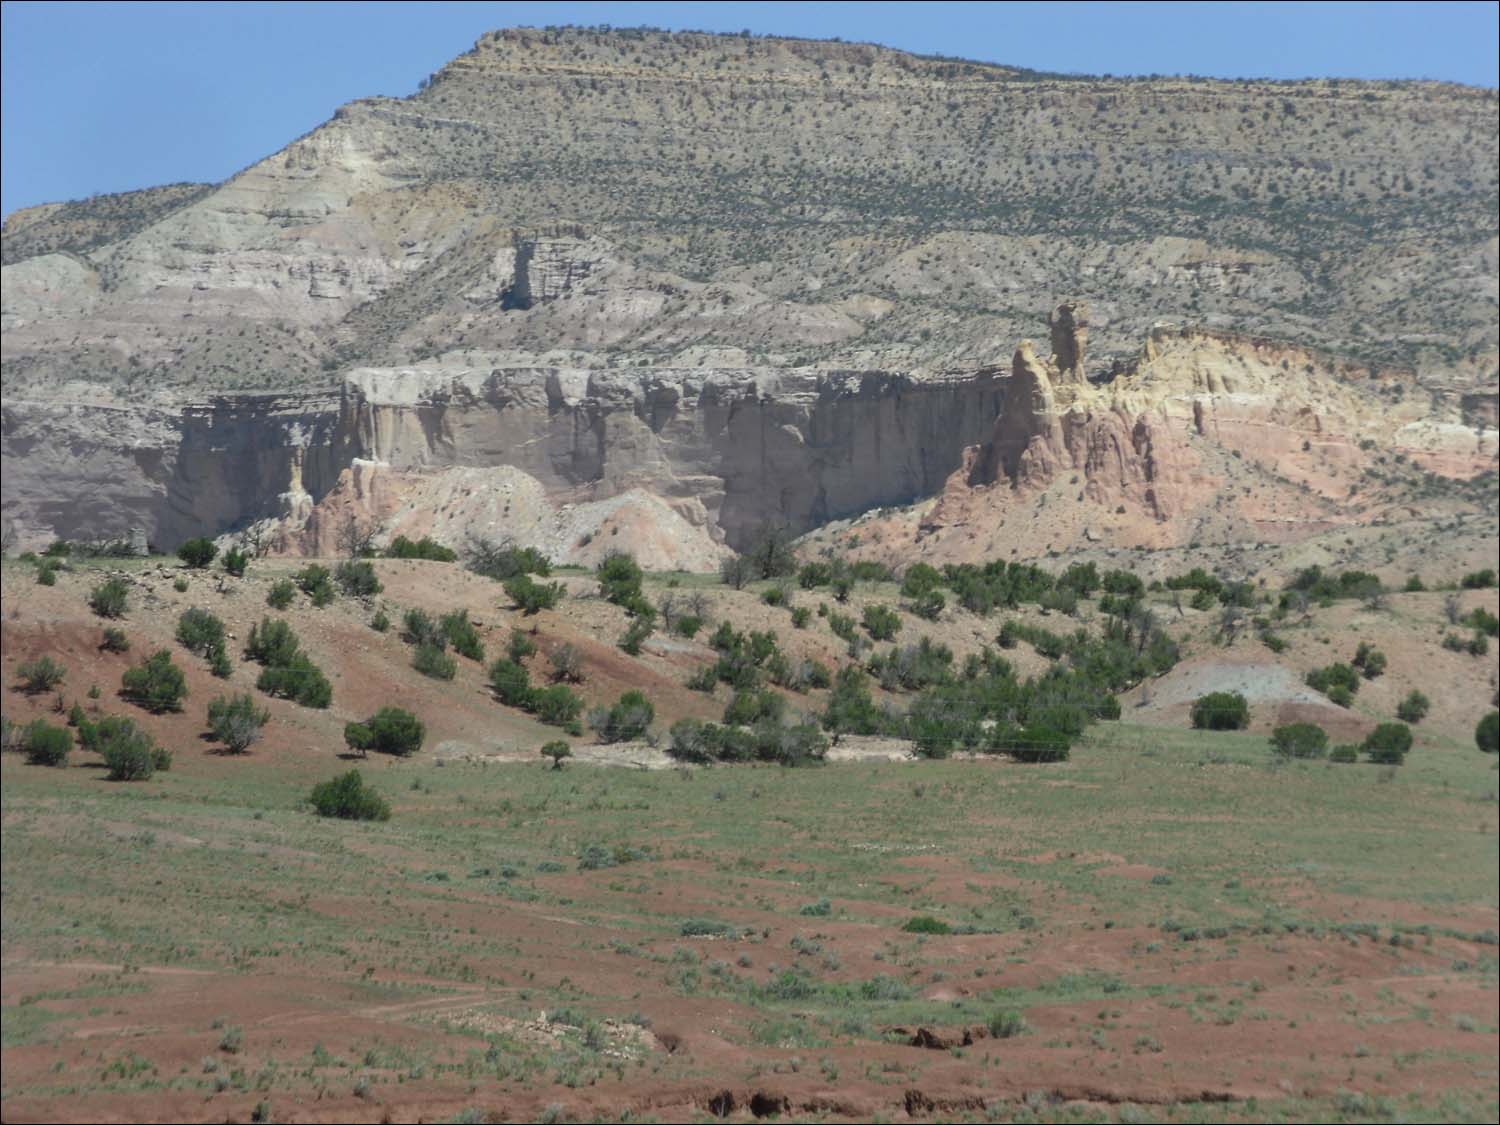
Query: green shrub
{"type": "Point", "coordinates": [1006, 1025]}
{"type": "Point", "coordinates": [115, 640]}
{"type": "Point", "coordinates": [1414, 708]}
{"type": "Point", "coordinates": [801, 615]}
{"type": "Point", "coordinates": [389, 731]}
{"type": "Point", "coordinates": [41, 674]}
{"type": "Point", "coordinates": [462, 635]}
{"type": "Point", "coordinates": [299, 680]}
{"type": "Point", "coordinates": [197, 553]}
{"type": "Point", "coordinates": [1300, 740]}
{"type": "Point", "coordinates": [129, 753]}
{"type": "Point", "coordinates": [110, 599]}
{"type": "Point", "coordinates": [347, 798]}
{"type": "Point", "coordinates": [317, 583]}
{"type": "Point", "coordinates": [180, 584]}
{"type": "Point", "coordinates": [557, 750]}
{"type": "Point", "coordinates": [511, 683]}
{"type": "Point", "coordinates": [47, 745]}
{"type": "Point", "coordinates": [381, 622]}
{"type": "Point", "coordinates": [271, 642]}
{"type": "Point", "coordinates": [281, 594]}
{"type": "Point", "coordinates": [200, 632]}
{"type": "Point", "coordinates": [532, 597]}
{"type": "Point", "coordinates": [236, 722]}
{"type": "Point", "coordinates": [629, 719]}
{"type": "Point", "coordinates": [926, 924]}
{"type": "Point", "coordinates": [1334, 676]}
{"type": "Point", "coordinates": [1487, 733]}
{"type": "Point", "coordinates": [501, 561]}
{"type": "Point", "coordinates": [619, 578]}
{"type": "Point", "coordinates": [1388, 743]}
{"type": "Point", "coordinates": [635, 635]}
{"type": "Point", "coordinates": [1221, 710]}
{"type": "Point", "coordinates": [1369, 660]}
{"type": "Point", "coordinates": [1479, 579]}
{"type": "Point", "coordinates": [157, 684]}
{"type": "Point", "coordinates": [425, 548]}
{"type": "Point", "coordinates": [1344, 755]}
{"type": "Point", "coordinates": [567, 664]}
{"type": "Point", "coordinates": [434, 663]}
{"type": "Point", "coordinates": [356, 578]}
{"type": "Point", "coordinates": [814, 574]}
{"type": "Point", "coordinates": [881, 622]}
{"type": "Point", "coordinates": [557, 706]}
{"type": "Point", "coordinates": [46, 575]}
{"type": "Point", "coordinates": [235, 562]}
{"type": "Point", "coordinates": [520, 646]}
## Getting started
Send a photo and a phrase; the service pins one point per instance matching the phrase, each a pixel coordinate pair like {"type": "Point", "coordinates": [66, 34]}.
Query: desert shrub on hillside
{"type": "Point", "coordinates": [281, 593]}
{"type": "Point", "coordinates": [419, 628]}
{"type": "Point", "coordinates": [390, 730]}
{"type": "Point", "coordinates": [47, 745]}
{"type": "Point", "coordinates": [271, 642]}
{"type": "Point", "coordinates": [381, 622]}
{"type": "Point", "coordinates": [1414, 708]}
{"type": "Point", "coordinates": [1338, 682]}
{"type": "Point", "coordinates": [510, 682]}
{"type": "Point", "coordinates": [1388, 743]}
{"type": "Point", "coordinates": [567, 664]}
{"type": "Point", "coordinates": [114, 640]}
{"type": "Point", "coordinates": [629, 719]}
{"type": "Point", "coordinates": [356, 578]}
{"type": "Point", "coordinates": [200, 632]}
{"type": "Point", "coordinates": [814, 574]}
{"type": "Point", "coordinates": [236, 722]}
{"type": "Point", "coordinates": [110, 599]}
{"type": "Point", "coordinates": [198, 553]}
{"type": "Point", "coordinates": [1300, 740]}
{"type": "Point", "coordinates": [348, 798]}
{"type": "Point", "coordinates": [881, 622]}
{"type": "Point", "coordinates": [557, 750]}
{"type": "Point", "coordinates": [129, 753]}
{"type": "Point", "coordinates": [557, 706]}
{"type": "Point", "coordinates": [531, 596]}
{"type": "Point", "coordinates": [850, 708]}
{"type": "Point", "coordinates": [235, 562]}
{"type": "Point", "coordinates": [288, 672]}
{"type": "Point", "coordinates": [1369, 660]}
{"type": "Point", "coordinates": [39, 675]}
{"type": "Point", "coordinates": [432, 662]}
{"type": "Point", "coordinates": [691, 740]}
{"type": "Point", "coordinates": [317, 583]}
{"type": "Point", "coordinates": [503, 560]}
{"type": "Point", "coordinates": [462, 635]}
{"type": "Point", "coordinates": [735, 571]}
{"type": "Point", "coordinates": [299, 680]}
{"type": "Point", "coordinates": [425, 548]}
{"type": "Point", "coordinates": [620, 579]}
{"type": "Point", "coordinates": [520, 646]}
{"type": "Point", "coordinates": [157, 684]}
{"type": "Point", "coordinates": [1487, 733]}
{"type": "Point", "coordinates": [1479, 579]}
{"type": "Point", "coordinates": [920, 579]}
{"type": "Point", "coordinates": [635, 635]}
{"type": "Point", "coordinates": [1221, 710]}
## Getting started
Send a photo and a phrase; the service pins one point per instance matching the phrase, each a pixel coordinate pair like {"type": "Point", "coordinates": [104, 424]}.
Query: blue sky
{"type": "Point", "coordinates": [108, 96]}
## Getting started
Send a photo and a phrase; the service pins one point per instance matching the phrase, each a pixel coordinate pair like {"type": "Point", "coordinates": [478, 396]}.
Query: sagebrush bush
{"type": "Point", "coordinates": [347, 797]}
{"type": "Point", "coordinates": [129, 753]}
{"type": "Point", "coordinates": [629, 719]}
{"type": "Point", "coordinates": [356, 578]}
{"type": "Point", "coordinates": [1388, 743]}
{"type": "Point", "coordinates": [197, 553]}
{"type": "Point", "coordinates": [47, 745]}
{"type": "Point", "coordinates": [434, 663]}
{"type": "Point", "coordinates": [200, 632]}
{"type": "Point", "coordinates": [1300, 740]}
{"type": "Point", "coordinates": [110, 599]}
{"type": "Point", "coordinates": [41, 674]}
{"type": "Point", "coordinates": [281, 594]}
{"type": "Point", "coordinates": [114, 640]}
{"type": "Point", "coordinates": [1221, 710]}
{"type": "Point", "coordinates": [390, 730]}
{"type": "Point", "coordinates": [236, 722]}
{"type": "Point", "coordinates": [156, 684]}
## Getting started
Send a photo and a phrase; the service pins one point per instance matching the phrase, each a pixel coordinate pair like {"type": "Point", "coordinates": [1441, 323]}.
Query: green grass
{"type": "Point", "coordinates": [1013, 858]}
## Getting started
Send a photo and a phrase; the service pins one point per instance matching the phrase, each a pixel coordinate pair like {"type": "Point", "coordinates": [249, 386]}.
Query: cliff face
{"type": "Point", "coordinates": [99, 467]}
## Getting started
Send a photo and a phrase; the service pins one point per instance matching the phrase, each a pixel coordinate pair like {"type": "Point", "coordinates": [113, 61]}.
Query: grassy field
{"type": "Point", "coordinates": [1169, 924]}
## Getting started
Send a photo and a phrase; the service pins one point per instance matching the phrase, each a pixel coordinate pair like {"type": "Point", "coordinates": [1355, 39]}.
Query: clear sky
{"type": "Point", "coordinates": [111, 96]}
